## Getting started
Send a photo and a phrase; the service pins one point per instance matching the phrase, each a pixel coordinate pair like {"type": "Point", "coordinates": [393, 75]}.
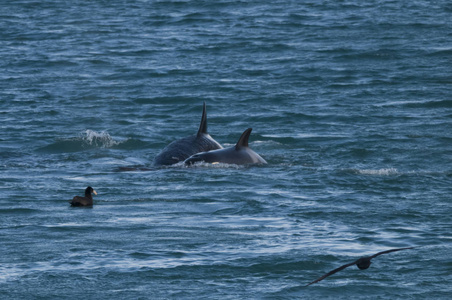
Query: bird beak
{"type": "Point", "coordinates": [94, 192]}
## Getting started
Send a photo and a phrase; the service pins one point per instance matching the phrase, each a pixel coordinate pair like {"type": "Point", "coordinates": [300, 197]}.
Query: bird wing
{"type": "Point", "coordinates": [388, 251]}
{"type": "Point", "coordinates": [77, 200]}
{"type": "Point", "coordinates": [355, 262]}
{"type": "Point", "coordinates": [332, 272]}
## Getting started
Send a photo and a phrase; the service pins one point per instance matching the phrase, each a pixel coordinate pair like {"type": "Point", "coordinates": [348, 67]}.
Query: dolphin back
{"type": "Point", "coordinates": [240, 154]}
{"type": "Point", "coordinates": [183, 148]}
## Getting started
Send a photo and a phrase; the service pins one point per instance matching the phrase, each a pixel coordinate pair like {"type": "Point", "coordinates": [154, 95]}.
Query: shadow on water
{"type": "Point", "coordinates": [134, 169]}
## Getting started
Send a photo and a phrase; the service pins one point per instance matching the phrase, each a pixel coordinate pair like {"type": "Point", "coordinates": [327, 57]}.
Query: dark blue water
{"type": "Point", "coordinates": [350, 104]}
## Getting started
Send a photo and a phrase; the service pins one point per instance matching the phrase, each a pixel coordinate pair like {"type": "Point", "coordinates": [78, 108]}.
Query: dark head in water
{"type": "Point", "coordinates": [84, 201]}
{"type": "Point", "coordinates": [181, 149]}
{"type": "Point", "coordinates": [362, 263]}
{"type": "Point", "coordinates": [240, 154]}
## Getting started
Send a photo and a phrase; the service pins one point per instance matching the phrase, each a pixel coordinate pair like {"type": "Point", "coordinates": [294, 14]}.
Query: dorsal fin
{"type": "Point", "coordinates": [243, 140]}
{"type": "Point", "coordinates": [203, 125]}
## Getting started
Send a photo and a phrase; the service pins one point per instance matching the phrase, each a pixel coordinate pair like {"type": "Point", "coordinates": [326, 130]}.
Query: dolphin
{"type": "Point", "coordinates": [240, 154]}
{"type": "Point", "coordinates": [181, 149]}
{"type": "Point", "coordinates": [362, 263]}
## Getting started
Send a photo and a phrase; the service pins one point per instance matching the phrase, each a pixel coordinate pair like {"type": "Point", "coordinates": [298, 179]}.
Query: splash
{"type": "Point", "coordinates": [87, 139]}
{"type": "Point", "coordinates": [97, 139]}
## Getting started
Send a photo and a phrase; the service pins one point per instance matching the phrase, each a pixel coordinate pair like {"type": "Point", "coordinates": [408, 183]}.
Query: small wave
{"type": "Point", "coordinates": [18, 211]}
{"type": "Point", "coordinates": [446, 51]}
{"type": "Point", "coordinates": [394, 171]}
{"type": "Point", "coordinates": [432, 104]}
{"type": "Point", "coordinates": [419, 104]}
{"type": "Point", "coordinates": [379, 172]}
{"type": "Point", "coordinates": [86, 140]}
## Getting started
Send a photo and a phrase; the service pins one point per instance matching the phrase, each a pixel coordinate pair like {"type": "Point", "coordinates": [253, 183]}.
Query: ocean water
{"type": "Point", "coordinates": [350, 104]}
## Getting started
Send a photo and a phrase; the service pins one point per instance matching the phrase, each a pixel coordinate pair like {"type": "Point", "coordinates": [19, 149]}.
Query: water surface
{"type": "Point", "coordinates": [349, 103]}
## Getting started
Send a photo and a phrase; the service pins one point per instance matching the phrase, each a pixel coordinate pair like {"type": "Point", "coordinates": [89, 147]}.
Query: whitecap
{"type": "Point", "coordinates": [380, 172]}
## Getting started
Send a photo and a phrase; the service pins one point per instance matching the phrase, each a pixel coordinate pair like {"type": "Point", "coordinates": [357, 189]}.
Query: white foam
{"type": "Point", "coordinates": [381, 172]}
{"type": "Point", "coordinates": [99, 139]}
{"type": "Point", "coordinates": [214, 165]}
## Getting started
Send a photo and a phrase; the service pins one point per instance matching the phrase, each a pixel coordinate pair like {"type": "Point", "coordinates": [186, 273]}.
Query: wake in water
{"type": "Point", "coordinates": [180, 165]}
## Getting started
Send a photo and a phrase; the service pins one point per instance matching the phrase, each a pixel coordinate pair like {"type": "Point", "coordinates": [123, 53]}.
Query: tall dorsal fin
{"type": "Point", "coordinates": [243, 140]}
{"type": "Point", "coordinates": [203, 125]}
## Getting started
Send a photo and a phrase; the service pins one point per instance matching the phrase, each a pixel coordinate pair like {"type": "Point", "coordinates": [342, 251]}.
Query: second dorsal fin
{"type": "Point", "coordinates": [243, 140]}
{"type": "Point", "coordinates": [203, 125]}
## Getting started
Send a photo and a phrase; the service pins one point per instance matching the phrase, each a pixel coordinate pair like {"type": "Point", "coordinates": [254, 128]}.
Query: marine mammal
{"type": "Point", "coordinates": [362, 263]}
{"type": "Point", "coordinates": [84, 201]}
{"type": "Point", "coordinates": [240, 154]}
{"type": "Point", "coordinates": [183, 148]}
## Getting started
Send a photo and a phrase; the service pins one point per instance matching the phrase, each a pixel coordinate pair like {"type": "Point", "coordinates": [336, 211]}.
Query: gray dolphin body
{"type": "Point", "coordinates": [240, 154]}
{"type": "Point", "coordinates": [181, 149]}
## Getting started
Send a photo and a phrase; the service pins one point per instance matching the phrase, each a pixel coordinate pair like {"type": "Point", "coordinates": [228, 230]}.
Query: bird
{"type": "Point", "coordinates": [84, 201]}
{"type": "Point", "coordinates": [362, 263]}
